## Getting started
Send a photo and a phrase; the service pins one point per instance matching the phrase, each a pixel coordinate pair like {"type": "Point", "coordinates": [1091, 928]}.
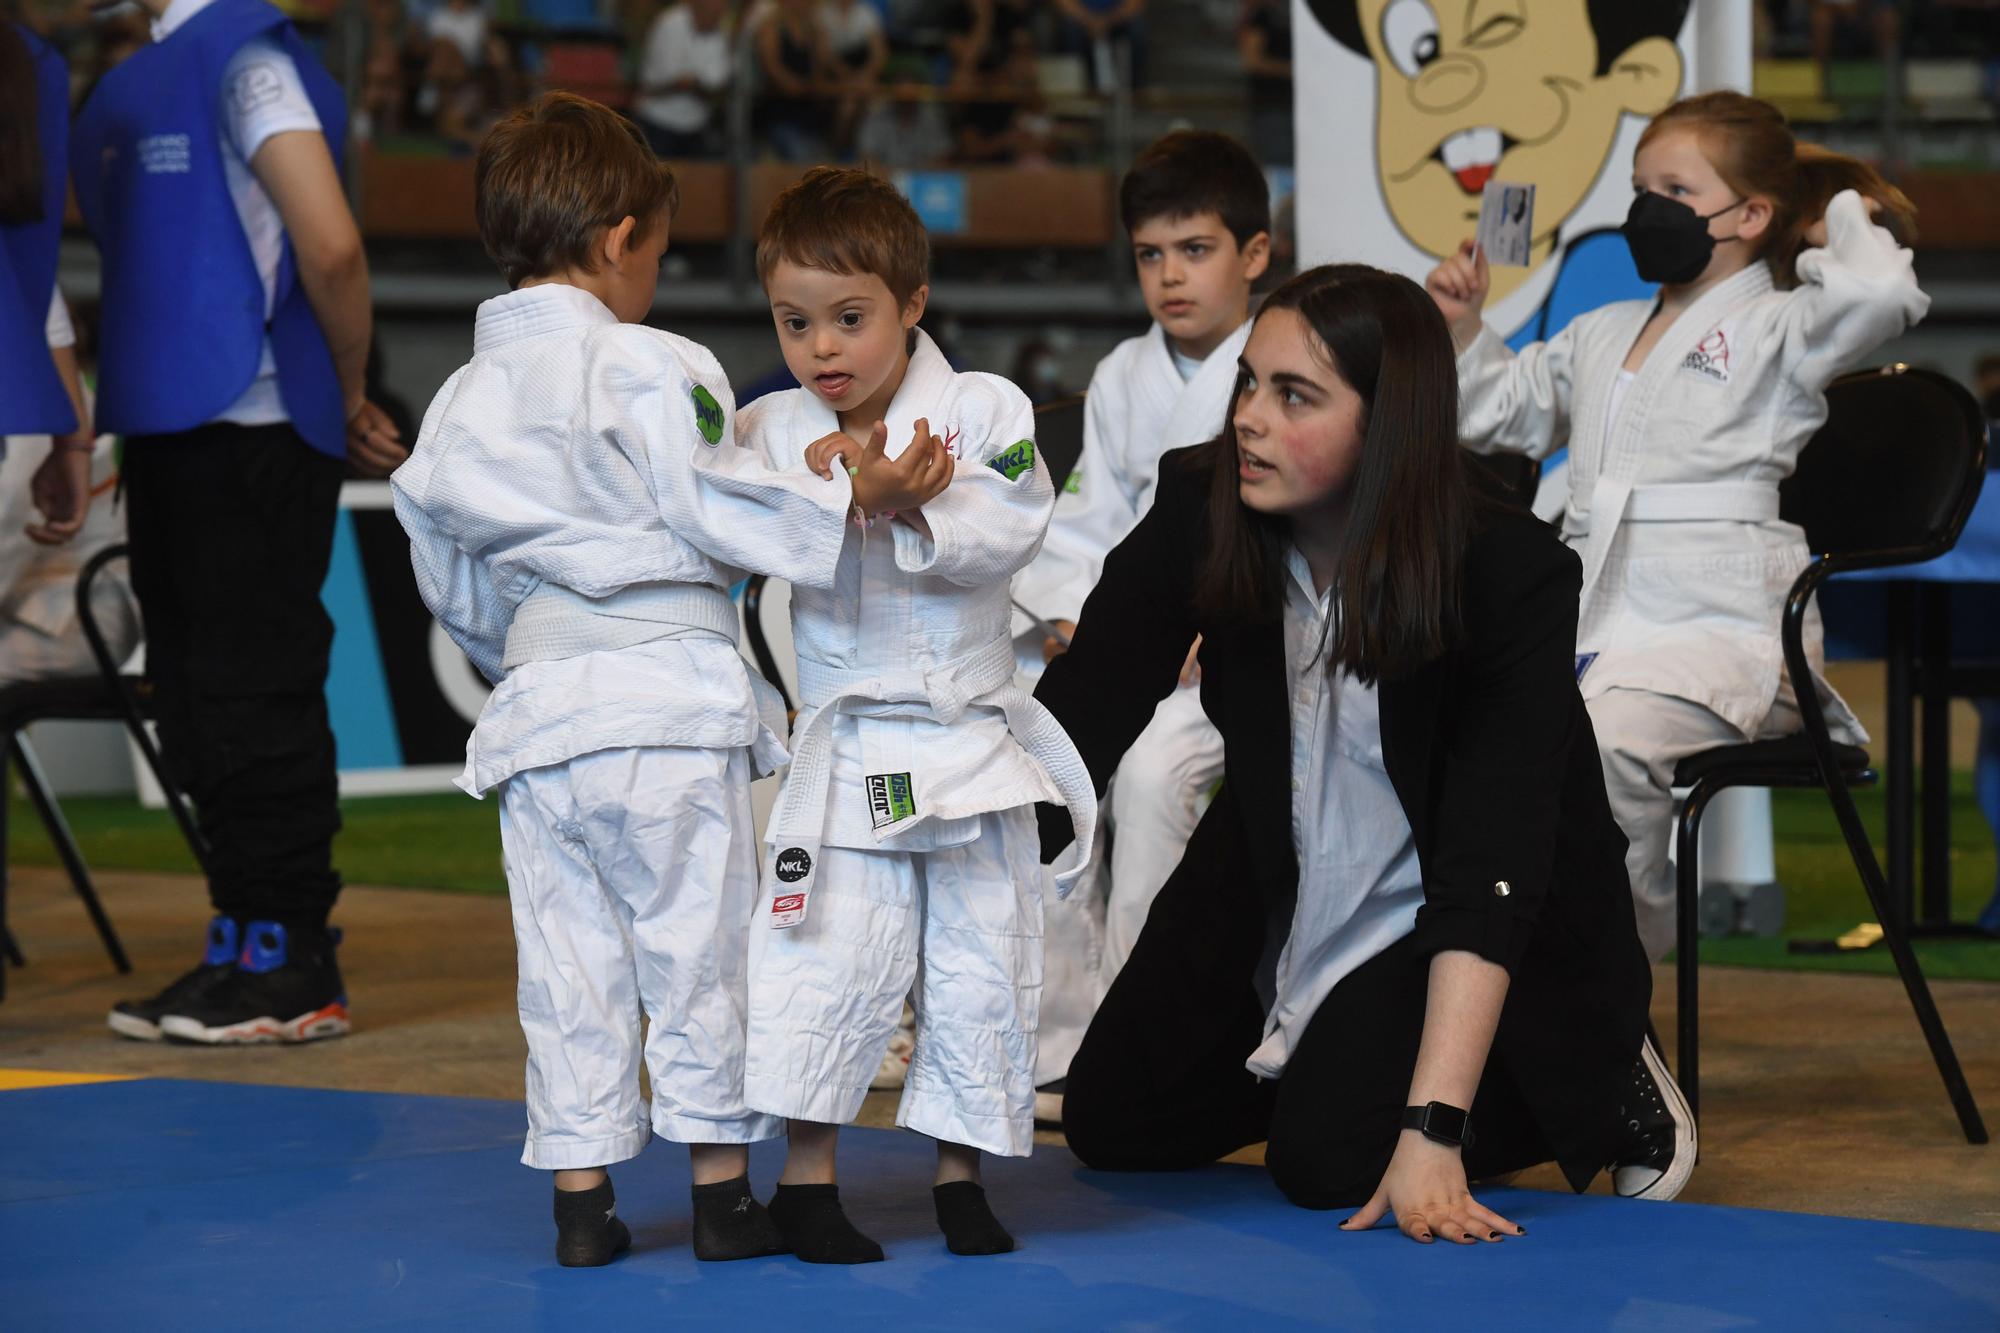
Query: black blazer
{"type": "Point", "coordinates": [1490, 752]}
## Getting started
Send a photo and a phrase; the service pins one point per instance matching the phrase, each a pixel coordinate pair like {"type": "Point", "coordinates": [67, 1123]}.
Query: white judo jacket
{"type": "Point", "coordinates": [1137, 409]}
{"type": "Point", "coordinates": [910, 724]}
{"type": "Point", "coordinates": [1673, 506]}
{"type": "Point", "coordinates": [577, 506]}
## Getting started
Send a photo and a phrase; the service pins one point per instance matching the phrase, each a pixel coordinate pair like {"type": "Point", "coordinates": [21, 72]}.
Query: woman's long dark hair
{"type": "Point", "coordinates": [1409, 505]}
{"type": "Point", "coordinates": [20, 134]}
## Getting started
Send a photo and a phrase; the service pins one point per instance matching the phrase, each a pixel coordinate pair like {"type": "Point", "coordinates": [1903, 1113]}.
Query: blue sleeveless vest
{"type": "Point", "coordinates": [32, 398]}
{"type": "Point", "coordinates": [183, 307]}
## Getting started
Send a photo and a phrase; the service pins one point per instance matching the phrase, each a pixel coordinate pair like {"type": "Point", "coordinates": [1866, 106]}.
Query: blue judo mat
{"type": "Point", "coordinates": [163, 1204]}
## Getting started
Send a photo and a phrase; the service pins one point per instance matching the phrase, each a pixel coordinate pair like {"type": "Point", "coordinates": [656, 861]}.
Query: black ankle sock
{"type": "Point", "coordinates": [968, 1224]}
{"type": "Point", "coordinates": [818, 1231]}
{"type": "Point", "coordinates": [730, 1224]}
{"type": "Point", "coordinates": [588, 1229]}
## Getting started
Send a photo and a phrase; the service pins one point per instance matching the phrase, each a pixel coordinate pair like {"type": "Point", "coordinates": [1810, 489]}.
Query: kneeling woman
{"type": "Point", "coordinates": [1400, 946]}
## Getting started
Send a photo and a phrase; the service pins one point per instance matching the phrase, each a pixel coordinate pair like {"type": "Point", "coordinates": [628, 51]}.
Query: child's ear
{"type": "Point", "coordinates": [618, 238]}
{"type": "Point", "coordinates": [1647, 76]}
{"type": "Point", "coordinates": [1256, 256]}
{"type": "Point", "coordinates": [913, 309]}
{"type": "Point", "coordinates": [1757, 214]}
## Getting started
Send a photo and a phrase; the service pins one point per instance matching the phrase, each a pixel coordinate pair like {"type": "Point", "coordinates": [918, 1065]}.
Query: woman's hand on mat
{"type": "Point", "coordinates": [1052, 647]}
{"type": "Point", "coordinates": [1424, 1190]}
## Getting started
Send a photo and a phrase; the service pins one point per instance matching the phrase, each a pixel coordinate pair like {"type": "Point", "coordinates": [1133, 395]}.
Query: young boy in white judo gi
{"type": "Point", "coordinates": [575, 504]}
{"type": "Point", "coordinates": [903, 850]}
{"type": "Point", "coordinates": [1198, 211]}
{"type": "Point", "coordinates": [1682, 416]}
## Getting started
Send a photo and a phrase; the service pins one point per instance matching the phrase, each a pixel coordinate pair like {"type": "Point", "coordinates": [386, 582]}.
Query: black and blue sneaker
{"type": "Point", "coordinates": [140, 1019]}
{"type": "Point", "coordinates": [285, 987]}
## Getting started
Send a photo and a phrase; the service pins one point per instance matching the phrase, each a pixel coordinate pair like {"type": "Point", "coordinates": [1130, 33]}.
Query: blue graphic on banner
{"type": "Point", "coordinates": [357, 693]}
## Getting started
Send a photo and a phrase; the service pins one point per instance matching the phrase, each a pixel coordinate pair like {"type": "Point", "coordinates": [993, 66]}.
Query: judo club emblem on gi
{"type": "Point", "coordinates": [1016, 459]}
{"type": "Point", "coordinates": [1710, 357]}
{"type": "Point", "coordinates": [708, 418]}
{"type": "Point", "coordinates": [891, 799]}
{"type": "Point", "coordinates": [794, 864]}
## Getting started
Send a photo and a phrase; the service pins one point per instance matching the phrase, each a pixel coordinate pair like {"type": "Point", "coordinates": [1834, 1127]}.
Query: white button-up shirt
{"type": "Point", "coordinates": [1359, 883]}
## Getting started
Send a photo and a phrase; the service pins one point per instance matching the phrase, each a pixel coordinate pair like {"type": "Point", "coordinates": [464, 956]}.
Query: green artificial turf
{"type": "Point", "coordinates": [449, 841]}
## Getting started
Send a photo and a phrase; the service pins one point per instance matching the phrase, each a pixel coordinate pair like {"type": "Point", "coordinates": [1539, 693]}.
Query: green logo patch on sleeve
{"type": "Point", "coordinates": [1012, 461]}
{"type": "Point", "coordinates": [1073, 484]}
{"type": "Point", "coordinates": [707, 415]}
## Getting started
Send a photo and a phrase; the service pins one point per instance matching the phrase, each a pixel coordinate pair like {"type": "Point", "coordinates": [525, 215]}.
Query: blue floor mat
{"type": "Point", "coordinates": [162, 1205]}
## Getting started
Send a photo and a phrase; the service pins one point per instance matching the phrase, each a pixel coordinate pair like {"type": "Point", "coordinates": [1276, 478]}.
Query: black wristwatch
{"type": "Point", "coordinates": [1440, 1123]}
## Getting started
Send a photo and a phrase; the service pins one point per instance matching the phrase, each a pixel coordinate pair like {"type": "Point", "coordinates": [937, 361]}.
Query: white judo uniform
{"type": "Point", "coordinates": [1673, 505]}
{"type": "Point", "coordinates": [577, 505]}
{"type": "Point", "coordinates": [903, 848]}
{"type": "Point", "coordinates": [1139, 406]}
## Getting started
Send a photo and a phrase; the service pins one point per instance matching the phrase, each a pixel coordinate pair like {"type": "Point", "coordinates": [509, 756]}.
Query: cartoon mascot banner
{"type": "Point", "coordinates": [1406, 108]}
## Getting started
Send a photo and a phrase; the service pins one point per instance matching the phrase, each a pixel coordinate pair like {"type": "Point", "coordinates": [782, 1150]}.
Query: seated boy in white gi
{"type": "Point", "coordinates": [903, 849]}
{"type": "Point", "coordinates": [575, 503]}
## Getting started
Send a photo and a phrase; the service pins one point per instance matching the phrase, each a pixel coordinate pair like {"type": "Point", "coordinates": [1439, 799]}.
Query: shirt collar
{"type": "Point", "coordinates": [175, 15]}
{"type": "Point", "coordinates": [1301, 581]}
{"type": "Point", "coordinates": [531, 312]}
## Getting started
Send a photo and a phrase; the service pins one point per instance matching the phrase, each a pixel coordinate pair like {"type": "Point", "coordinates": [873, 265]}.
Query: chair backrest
{"type": "Point", "coordinates": [1895, 470]}
{"type": "Point", "coordinates": [1517, 473]}
{"type": "Point", "coordinates": [1059, 437]}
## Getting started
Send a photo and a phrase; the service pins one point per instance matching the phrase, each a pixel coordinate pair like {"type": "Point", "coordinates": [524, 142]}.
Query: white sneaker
{"type": "Point", "coordinates": [895, 1061]}
{"type": "Point", "coordinates": [1659, 1153]}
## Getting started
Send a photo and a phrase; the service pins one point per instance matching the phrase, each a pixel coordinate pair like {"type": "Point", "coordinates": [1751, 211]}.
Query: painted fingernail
{"type": "Point", "coordinates": [1493, 1235]}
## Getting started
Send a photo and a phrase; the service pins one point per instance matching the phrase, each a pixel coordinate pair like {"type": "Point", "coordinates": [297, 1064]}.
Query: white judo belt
{"type": "Point", "coordinates": [553, 622]}
{"type": "Point", "coordinates": [941, 693]}
{"type": "Point", "coordinates": [1615, 502]}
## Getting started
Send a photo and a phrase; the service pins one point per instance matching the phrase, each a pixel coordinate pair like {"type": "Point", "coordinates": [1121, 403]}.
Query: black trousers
{"type": "Point", "coordinates": [1159, 1082]}
{"type": "Point", "coordinates": [231, 529]}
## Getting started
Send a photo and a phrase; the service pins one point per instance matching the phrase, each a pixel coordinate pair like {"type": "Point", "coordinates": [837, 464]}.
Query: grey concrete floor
{"type": "Point", "coordinates": [1818, 1093]}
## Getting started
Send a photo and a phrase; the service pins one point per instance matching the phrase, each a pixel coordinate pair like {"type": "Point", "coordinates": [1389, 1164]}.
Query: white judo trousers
{"type": "Point", "coordinates": [633, 877]}
{"type": "Point", "coordinates": [957, 930]}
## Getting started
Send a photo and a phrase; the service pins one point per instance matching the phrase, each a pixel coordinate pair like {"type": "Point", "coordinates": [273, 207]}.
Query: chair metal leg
{"type": "Point", "coordinates": [72, 859]}
{"type": "Point", "coordinates": [1895, 934]}
{"type": "Point", "coordinates": [1687, 947]}
{"type": "Point", "coordinates": [13, 951]}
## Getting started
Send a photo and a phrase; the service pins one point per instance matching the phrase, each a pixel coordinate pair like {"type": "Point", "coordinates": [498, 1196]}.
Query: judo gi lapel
{"type": "Point", "coordinates": [533, 312]}
{"type": "Point", "coordinates": [925, 392]}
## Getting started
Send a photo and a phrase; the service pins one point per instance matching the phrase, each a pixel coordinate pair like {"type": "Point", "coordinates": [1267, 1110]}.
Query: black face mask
{"type": "Point", "coordinates": [1669, 240]}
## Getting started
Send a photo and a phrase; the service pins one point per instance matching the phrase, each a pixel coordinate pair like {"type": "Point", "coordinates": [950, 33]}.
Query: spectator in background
{"type": "Point", "coordinates": [790, 113]}
{"type": "Point", "coordinates": [995, 75]}
{"type": "Point", "coordinates": [685, 68]}
{"type": "Point", "coordinates": [991, 39]}
{"type": "Point", "coordinates": [1264, 37]}
{"type": "Point", "coordinates": [1038, 372]}
{"type": "Point", "coordinates": [853, 50]}
{"type": "Point", "coordinates": [467, 75]}
{"type": "Point", "coordinates": [1853, 28]}
{"type": "Point", "coordinates": [1097, 29]}
{"type": "Point", "coordinates": [906, 129]}
{"type": "Point", "coordinates": [383, 90]}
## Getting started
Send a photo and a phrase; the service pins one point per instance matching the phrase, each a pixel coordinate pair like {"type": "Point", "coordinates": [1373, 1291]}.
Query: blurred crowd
{"type": "Point", "coordinates": [900, 83]}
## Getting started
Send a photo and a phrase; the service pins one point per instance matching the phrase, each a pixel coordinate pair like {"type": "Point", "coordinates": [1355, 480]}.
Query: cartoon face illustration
{"type": "Point", "coordinates": [1523, 90]}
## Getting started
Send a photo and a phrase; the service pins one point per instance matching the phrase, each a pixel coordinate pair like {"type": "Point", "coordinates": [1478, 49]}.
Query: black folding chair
{"type": "Point", "coordinates": [1889, 480]}
{"type": "Point", "coordinates": [1058, 443]}
{"type": "Point", "coordinates": [108, 696]}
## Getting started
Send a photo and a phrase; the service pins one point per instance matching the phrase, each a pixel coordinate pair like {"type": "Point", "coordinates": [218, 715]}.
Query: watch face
{"type": "Point", "coordinates": [1445, 1122]}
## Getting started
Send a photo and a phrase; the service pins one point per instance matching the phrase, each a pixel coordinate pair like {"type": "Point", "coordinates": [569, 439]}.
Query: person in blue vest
{"type": "Point", "coordinates": [235, 333]}
{"type": "Point", "coordinates": [41, 392]}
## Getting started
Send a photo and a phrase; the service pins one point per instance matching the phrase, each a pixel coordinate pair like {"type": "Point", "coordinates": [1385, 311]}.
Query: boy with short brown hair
{"type": "Point", "coordinates": [576, 507]}
{"type": "Point", "coordinates": [903, 851]}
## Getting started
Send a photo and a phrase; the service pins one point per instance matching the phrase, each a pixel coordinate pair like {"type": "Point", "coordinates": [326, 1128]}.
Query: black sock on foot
{"type": "Point", "coordinates": [967, 1222]}
{"type": "Point", "coordinates": [730, 1224]}
{"type": "Point", "coordinates": [588, 1229]}
{"type": "Point", "coordinates": [813, 1224]}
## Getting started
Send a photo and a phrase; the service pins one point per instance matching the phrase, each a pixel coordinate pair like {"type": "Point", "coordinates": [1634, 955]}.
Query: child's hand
{"type": "Point", "coordinates": [1459, 286]}
{"type": "Point", "coordinates": [908, 482]}
{"type": "Point", "coordinates": [821, 453]}
{"type": "Point", "coordinates": [1815, 237]}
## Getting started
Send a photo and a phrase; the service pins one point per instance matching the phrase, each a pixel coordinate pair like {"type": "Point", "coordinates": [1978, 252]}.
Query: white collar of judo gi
{"type": "Point", "coordinates": [534, 312]}
{"type": "Point", "coordinates": [921, 394]}
{"type": "Point", "coordinates": [1611, 488]}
